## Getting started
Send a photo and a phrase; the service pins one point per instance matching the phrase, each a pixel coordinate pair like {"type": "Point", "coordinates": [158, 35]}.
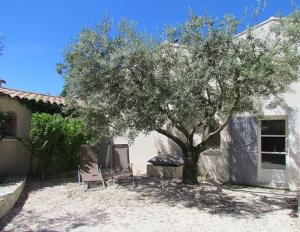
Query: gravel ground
{"type": "Point", "coordinates": [155, 205]}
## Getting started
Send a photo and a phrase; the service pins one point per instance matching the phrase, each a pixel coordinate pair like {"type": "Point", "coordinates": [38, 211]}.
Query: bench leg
{"type": "Point", "coordinates": [78, 176]}
{"type": "Point", "coordinates": [133, 184]}
{"type": "Point", "coordinates": [85, 187]}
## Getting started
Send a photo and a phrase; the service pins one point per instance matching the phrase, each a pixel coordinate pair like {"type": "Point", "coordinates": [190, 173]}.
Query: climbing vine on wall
{"type": "Point", "coordinates": [39, 106]}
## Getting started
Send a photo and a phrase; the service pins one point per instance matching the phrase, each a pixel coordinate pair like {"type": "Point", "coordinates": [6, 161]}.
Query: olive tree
{"type": "Point", "coordinates": [194, 79]}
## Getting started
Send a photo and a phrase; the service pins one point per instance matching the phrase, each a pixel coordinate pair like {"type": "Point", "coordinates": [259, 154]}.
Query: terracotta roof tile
{"type": "Point", "coordinates": [19, 94]}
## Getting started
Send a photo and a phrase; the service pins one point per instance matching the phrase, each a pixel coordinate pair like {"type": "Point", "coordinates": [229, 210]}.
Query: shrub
{"type": "Point", "coordinates": [55, 143]}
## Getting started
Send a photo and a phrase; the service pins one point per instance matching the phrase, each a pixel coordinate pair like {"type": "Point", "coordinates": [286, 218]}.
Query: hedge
{"type": "Point", "coordinates": [55, 142]}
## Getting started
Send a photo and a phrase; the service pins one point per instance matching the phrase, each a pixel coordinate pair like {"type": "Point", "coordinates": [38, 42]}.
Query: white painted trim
{"type": "Point", "coordinates": [271, 19]}
{"type": "Point", "coordinates": [260, 171]}
{"type": "Point", "coordinates": [275, 136]}
{"type": "Point", "coordinates": [273, 152]}
{"type": "Point", "coordinates": [11, 139]}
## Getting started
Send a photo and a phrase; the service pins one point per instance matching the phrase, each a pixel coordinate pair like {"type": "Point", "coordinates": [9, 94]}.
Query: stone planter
{"type": "Point", "coordinates": [10, 191]}
{"type": "Point", "coordinates": [164, 171]}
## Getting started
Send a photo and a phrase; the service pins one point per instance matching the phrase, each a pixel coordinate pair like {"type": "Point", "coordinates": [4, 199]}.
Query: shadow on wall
{"type": "Point", "coordinates": [243, 150]}
{"type": "Point", "coordinates": [213, 165]}
{"type": "Point", "coordinates": [168, 146]}
{"type": "Point", "coordinates": [293, 160]}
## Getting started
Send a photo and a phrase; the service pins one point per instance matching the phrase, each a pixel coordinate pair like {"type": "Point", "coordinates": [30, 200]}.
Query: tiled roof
{"type": "Point", "coordinates": [19, 94]}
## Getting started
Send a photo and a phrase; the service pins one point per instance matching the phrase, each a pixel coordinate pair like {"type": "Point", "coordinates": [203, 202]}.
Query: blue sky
{"type": "Point", "coordinates": [36, 32]}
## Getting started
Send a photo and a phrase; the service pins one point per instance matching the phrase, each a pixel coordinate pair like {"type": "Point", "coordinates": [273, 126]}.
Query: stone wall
{"type": "Point", "coordinates": [10, 191]}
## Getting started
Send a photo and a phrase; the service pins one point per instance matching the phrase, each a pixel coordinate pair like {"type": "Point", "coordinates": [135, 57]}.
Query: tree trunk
{"type": "Point", "coordinates": [190, 168]}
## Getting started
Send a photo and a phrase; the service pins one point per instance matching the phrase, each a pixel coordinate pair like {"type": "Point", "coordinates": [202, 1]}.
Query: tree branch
{"type": "Point", "coordinates": [235, 102]}
{"type": "Point", "coordinates": [178, 125]}
{"type": "Point", "coordinates": [196, 127]}
{"type": "Point", "coordinates": [214, 132]}
{"type": "Point", "coordinates": [172, 137]}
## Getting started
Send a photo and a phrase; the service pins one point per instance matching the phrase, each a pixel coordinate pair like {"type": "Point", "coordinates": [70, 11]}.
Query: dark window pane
{"type": "Point", "coordinates": [214, 141]}
{"type": "Point", "coordinates": [273, 144]}
{"type": "Point", "coordinates": [10, 126]}
{"type": "Point", "coordinates": [273, 161]}
{"type": "Point", "coordinates": [273, 127]}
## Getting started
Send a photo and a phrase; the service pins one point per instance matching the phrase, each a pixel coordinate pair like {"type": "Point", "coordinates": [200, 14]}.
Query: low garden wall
{"type": "Point", "coordinates": [14, 157]}
{"type": "Point", "coordinates": [164, 171]}
{"type": "Point", "coordinates": [10, 191]}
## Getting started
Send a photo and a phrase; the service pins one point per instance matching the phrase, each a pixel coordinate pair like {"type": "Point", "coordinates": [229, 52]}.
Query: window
{"type": "Point", "coordinates": [273, 144]}
{"type": "Point", "coordinates": [214, 141]}
{"type": "Point", "coordinates": [8, 124]}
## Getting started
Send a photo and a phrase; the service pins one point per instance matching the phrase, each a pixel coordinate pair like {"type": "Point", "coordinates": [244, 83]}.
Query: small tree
{"type": "Point", "coordinates": [195, 80]}
{"type": "Point", "coordinates": [54, 142]}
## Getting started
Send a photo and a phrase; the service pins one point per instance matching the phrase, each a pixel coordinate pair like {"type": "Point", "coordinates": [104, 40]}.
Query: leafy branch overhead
{"type": "Point", "coordinates": [193, 80]}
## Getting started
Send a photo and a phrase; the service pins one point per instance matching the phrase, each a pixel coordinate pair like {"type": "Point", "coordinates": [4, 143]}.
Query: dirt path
{"type": "Point", "coordinates": [154, 205]}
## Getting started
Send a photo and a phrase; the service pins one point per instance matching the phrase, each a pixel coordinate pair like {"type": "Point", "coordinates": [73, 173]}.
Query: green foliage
{"type": "Point", "coordinates": [63, 93]}
{"type": "Point", "coordinates": [40, 106]}
{"type": "Point", "coordinates": [131, 82]}
{"type": "Point", "coordinates": [5, 117]}
{"type": "Point", "coordinates": [55, 142]}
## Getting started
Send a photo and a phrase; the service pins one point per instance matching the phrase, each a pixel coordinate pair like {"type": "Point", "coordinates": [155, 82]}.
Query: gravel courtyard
{"type": "Point", "coordinates": [155, 205]}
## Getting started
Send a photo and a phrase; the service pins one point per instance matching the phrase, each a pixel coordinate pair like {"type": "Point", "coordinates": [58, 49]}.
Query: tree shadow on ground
{"type": "Point", "coordinates": [44, 224]}
{"type": "Point", "coordinates": [235, 201]}
{"type": "Point", "coordinates": [15, 210]}
{"type": "Point", "coordinates": [216, 199]}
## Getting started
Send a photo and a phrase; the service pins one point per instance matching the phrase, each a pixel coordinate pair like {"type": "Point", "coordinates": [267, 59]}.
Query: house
{"type": "Point", "coordinates": [14, 156]}
{"type": "Point", "coordinates": [251, 151]}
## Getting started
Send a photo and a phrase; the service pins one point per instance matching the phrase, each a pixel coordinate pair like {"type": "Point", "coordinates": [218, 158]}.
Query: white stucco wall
{"type": "Point", "coordinates": [23, 114]}
{"type": "Point", "coordinates": [145, 147]}
{"type": "Point", "coordinates": [215, 162]}
{"type": "Point", "coordinates": [293, 161]}
{"type": "Point", "coordinates": [290, 177]}
{"type": "Point", "coordinates": [14, 157]}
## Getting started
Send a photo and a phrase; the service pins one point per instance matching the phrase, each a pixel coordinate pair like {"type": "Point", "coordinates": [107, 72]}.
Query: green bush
{"type": "Point", "coordinates": [55, 143]}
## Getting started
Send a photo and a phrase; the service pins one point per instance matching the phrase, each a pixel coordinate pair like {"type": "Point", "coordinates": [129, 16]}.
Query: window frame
{"type": "Point", "coordinates": [10, 129]}
{"type": "Point", "coordinates": [285, 136]}
{"type": "Point", "coordinates": [214, 143]}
